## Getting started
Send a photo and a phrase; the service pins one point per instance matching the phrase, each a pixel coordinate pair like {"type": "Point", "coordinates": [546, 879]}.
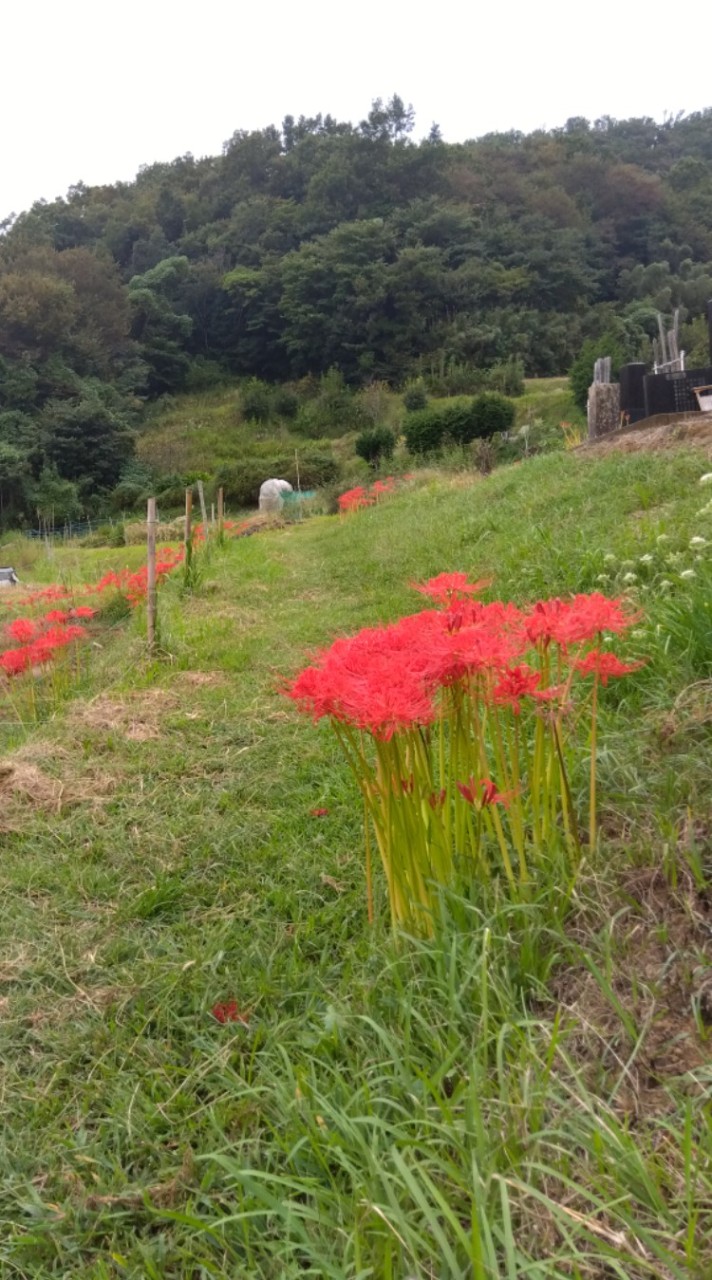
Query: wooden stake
{"type": "Point", "coordinates": [188, 515]}
{"type": "Point", "coordinates": [221, 510]}
{"type": "Point", "coordinates": [203, 512]}
{"type": "Point", "coordinates": [151, 593]}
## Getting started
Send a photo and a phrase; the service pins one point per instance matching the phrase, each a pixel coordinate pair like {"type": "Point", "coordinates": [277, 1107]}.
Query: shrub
{"type": "Point", "coordinates": [375, 445]}
{"type": "Point", "coordinates": [492, 412]}
{"type": "Point", "coordinates": [285, 404]}
{"type": "Point", "coordinates": [415, 396]}
{"type": "Point", "coordinates": [424, 430]}
{"type": "Point", "coordinates": [507, 378]}
{"type": "Point", "coordinates": [332, 411]}
{"type": "Point", "coordinates": [256, 401]}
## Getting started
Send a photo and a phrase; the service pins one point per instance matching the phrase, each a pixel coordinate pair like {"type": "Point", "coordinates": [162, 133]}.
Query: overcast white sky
{"type": "Point", "coordinates": [91, 91]}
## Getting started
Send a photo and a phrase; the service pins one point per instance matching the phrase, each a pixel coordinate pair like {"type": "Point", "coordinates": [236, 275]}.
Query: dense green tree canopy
{"type": "Point", "coordinates": [324, 245]}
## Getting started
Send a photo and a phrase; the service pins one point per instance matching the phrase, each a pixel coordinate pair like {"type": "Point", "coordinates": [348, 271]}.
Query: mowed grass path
{"type": "Point", "coordinates": [485, 1105]}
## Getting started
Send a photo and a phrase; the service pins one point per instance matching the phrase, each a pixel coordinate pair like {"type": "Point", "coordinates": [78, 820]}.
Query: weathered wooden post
{"type": "Point", "coordinates": [188, 517]}
{"type": "Point", "coordinates": [221, 512]}
{"type": "Point", "coordinates": [151, 592]}
{"type": "Point", "coordinates": [203, 511]}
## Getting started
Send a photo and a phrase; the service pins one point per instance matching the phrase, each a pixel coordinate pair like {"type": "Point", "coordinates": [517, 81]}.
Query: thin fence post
{"type": "Point", "coordinates": [221, 511]}
{"type": "Point", "coordinates": [151, 593]}
{"type": "Point", "coordinates": [188, 516]}
{"type": "Point", "coordinates": [203, 512]}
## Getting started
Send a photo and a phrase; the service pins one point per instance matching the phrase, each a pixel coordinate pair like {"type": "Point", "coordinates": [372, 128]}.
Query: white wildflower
{"type": "Point", "coordinates": [662, 537]}
{"type": "Point", "coordinates": [675, 557]}
{"type": "Point", "coordinates": [665, 584]}
{"type": "Point", "coordinates": [688, 573]}
{"type": "Point", "coordinates": [706, 478]}
{"type": "Point", "coordinates": [603, 577]}
{"type": "Point", "coordinates": [705, 511]}
{"type": "Point", "coordinates": [637, 635]}
{"type": "Point", "coordinates": [646, 559]}
{"type": "Point", "coordinates": [627, 564]}
{"type": "Point", "coordinates": [630, 577]}
{"type": "Point", "coordinates": [609, 558]}
{"type": "Point", "coordinates": [698, 542]}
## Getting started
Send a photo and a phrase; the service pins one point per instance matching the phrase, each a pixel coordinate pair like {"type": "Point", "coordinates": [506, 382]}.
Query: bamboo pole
{"type": "Point", "coordinates": [151, 593]}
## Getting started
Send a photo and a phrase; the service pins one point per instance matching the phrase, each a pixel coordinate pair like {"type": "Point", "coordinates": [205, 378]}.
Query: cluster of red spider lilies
{"type": "Point", "coordinates": [39, 638]}
{"type": "Point", "coordinates": [355, 499]}
{"type": "Point", "coordinates": [462, 724]}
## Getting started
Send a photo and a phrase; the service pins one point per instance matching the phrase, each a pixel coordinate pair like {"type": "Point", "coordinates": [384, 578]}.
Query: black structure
{"type": "Point", "coordinates": [672, 392]}
{"type": "Point", "coordinates": [632, 378]}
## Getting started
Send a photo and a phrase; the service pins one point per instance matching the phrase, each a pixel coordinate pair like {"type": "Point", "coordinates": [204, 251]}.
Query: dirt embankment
{"type": "Point", "coordinates": [664, 432]}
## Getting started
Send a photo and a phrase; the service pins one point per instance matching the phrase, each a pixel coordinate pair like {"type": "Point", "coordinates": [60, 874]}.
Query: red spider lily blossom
{"type": "Point", "coordinates": [514, 684]}
{"type": "Point", "coordinates": [22, 629]}
{"type": "Point", "coordinates": [447, 587]}
{"type": "Point", "coordinates": [229, 1011]}
{"type": "Point", "coordinates": [56, 615]}
{"type": "Point", "coordinates": [82, 611]}
{"type": "Point", "coordinates": [15, 661]}
{"type": "Point", "coordinates": [436, 801]}
{"type": "Point", "coordinates": [568, 622]}
{"type": "Point", "coordinates": [318, 813]}
{"type": "Point", "coordinates": [605, 665]}
{"type": "Point", "coordinates": [482, 793]}
{"type": "Point", "coordinates": [354, 499]}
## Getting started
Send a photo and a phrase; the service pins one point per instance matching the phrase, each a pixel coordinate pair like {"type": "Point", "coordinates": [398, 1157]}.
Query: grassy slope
{"type": "Point", "coordinates": [417, 1113]}
{"type": "Point", "coordinates": [203, 431]}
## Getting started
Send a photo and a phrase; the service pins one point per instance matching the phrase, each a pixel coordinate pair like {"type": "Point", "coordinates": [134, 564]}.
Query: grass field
{"type": "Point", "coordinates": [203, 431]}
{"type": "Point", "coordinates": [525, 1095]}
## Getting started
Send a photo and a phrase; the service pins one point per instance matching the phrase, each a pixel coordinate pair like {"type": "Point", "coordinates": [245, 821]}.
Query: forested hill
{"type": "Point", "coordinates": [322, 244]}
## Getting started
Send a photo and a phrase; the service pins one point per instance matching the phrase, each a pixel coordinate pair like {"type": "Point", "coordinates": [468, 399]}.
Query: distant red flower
{"type": "Point", "coordinates": [436, 800]}
{"type": "Point", "coordinates": [353, 499]}
{"type": "Point", "coordinates": [15, 661]}
{"type": "Point", "coordinates": [605, 665]}
{"type": "Point", "coordinates": [228, 1011]}
{"type": "Point", "coordinates": [449, 586]}
{"type": "Point", "coordinates": [56, 615]}
{"type": "Point", "coordinates": [82, 611]}
{"type": "Point", "coordinates": [22, 629]}
{"type": "Point", "coordinates": [318, 813]}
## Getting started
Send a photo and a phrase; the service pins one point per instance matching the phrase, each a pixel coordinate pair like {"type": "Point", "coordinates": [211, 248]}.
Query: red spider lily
{"type": "Point", "coordinates": [57, 637]}
{"type": "Point", "coordinates": [605, 665]}
{"type": "Point", "coordinates": [15, 661]}
{"type": "Point", "coordinates": [354, 499]}
{"type": "Point", "coordinates": [56, 615]}
{"type": "Point", "coordinates": [436, 801]}
{"type": "Point", "coordinates": [318, 813]}
{"type": "Point", "coordinates": [447, 587]}
{"type": "Point", "coordinates": [482, 793]}
{"type": "Point", "coordinates": [82, 611]}
{"type": "Point", "coordinates": [22, 629]}
{"type": "Point", "coordinates": [229, 1011]}
{"type": "Point", "coordinates": [570, 622]}
{"type": "Point", "coordinates": [514, 684]}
